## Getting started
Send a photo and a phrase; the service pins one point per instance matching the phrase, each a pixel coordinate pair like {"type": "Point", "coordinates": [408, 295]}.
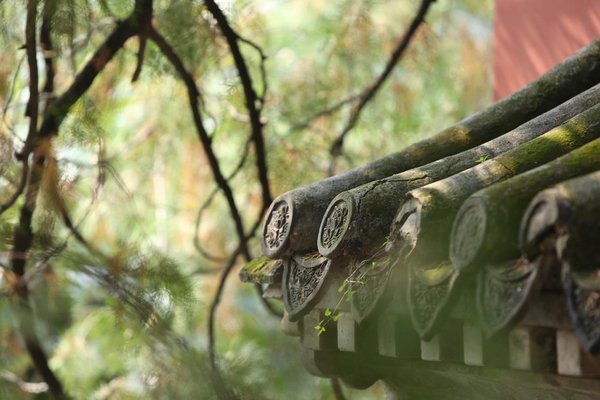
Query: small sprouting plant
{"type": "Point", "coordinates": [347, 289]}
{"type": "Point", "coordinates": [481, 159]}
{"type": "Point", "coordinates": [329, 316]}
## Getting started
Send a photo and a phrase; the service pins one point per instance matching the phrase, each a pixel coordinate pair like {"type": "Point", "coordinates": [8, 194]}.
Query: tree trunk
{"type": "Point", "coordinates": [292, 222]}
{"type": "Point", "coordinates": [372, 207]}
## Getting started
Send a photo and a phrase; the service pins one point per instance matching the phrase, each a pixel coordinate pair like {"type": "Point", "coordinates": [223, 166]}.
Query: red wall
{"type": "Point", "coordinates": [531, 36]}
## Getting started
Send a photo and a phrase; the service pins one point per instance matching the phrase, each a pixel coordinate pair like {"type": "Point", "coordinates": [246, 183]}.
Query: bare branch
{"type": "Point", "coordinates": [124, 30]}
{"type": "Point", "coordinates": [207, 203]}
{"type": "Point", "coordinates": [251, 99]}
{"type": "Point", "coordinates": [140, 58]}
{"type": "Point", "coordinates": [37, 144]}
{"type": "Point", "coordinates": [142, 36]}
{"type": "Point", "coordinates": [268, 306]}
{"type": "Point", "coordinates": [11, 200]}
{"type": "Point", "coordinates": [369, 92]}
{"type": "Point", "coordinates": [217, 297]}
{"type": "Point", "coordinates": [47, 47]}
{"type": "Point", "coordinates": [193, 95]}
{"type": "Point", "coordinates": [27, 387]}
{"type": "Point", "coordinates": [263, 71]}
{"type": "Point", "coordinates": [215, 304]}
{"type": "Point", "coordinates": [325, 112]}
{"type": "Point", "coordinates": [11, 92]}
{"type": "Point", "coordinates": [337, 389]}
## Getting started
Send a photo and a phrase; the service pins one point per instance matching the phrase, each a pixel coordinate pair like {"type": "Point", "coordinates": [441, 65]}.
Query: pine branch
{"type": "Point", "coordinates": [369, 92]}
{"type": "Point", "coordinates": [251, 99]}
{"type": "Point", "coordinates": [19, 191]}
{"type": "Point", "coordinates": [37, 144]}
{"type": "Point", "coordinates": [23, 234]}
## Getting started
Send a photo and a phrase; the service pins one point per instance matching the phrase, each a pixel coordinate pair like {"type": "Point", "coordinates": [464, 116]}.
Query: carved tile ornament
{"type": "Point", "coordinates": [503, 291]}
{"type": "Point", "coordinates": [430, 294]}
{"type": "Point", "coordinates": [277, 227]}
{"type": "Point", "coordinates": [368, 287]}
{"type": "Point", "coordinates": [470, 232]}
{"type": "Point", "coordinates": [335, 223]}
{"type": "Point", "coordinates": [303, 277]}
{"type": "Point", "coordinates": [583, 301]}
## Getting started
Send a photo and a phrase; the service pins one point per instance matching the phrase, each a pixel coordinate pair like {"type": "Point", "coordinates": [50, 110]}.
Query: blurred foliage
{"type": "Point", "coordinates": [127, 320]}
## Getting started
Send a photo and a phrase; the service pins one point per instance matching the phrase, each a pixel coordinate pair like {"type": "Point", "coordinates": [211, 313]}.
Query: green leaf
{"type": "Point", "coordinates": [337, 316]}
{"type": "Point", "coordinates": [350, 295]}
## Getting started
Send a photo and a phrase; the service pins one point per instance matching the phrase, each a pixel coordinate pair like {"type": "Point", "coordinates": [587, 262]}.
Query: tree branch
{"type": "Point", "coordinates": [47, 47]}
{"type": "Point", "coordinates": [193, 95]}
{"type": "Point", "coordinates": [124, 30]}
{"type": "Point", "coordinates": [217, 298]}
{"type": "Point", "coordinates": [369, 92]}
{"type": "Point", "coordinates": [140, 58]}
{"type": "Point", "coordinates": [263, 71]}
{"type": "Point", "coordinates": [337, 389]}
{"type": "Point", "coordinates": [325, 112]}
{"type": "Point", "coordinates": [23, 234]}
{"type": "Point", "coordinates": [38, 144]}
{"type": "Point", "coordinates": [143, 36]}
{"type": "Point", "coordinates": [207, 203]}
{"type": "Point", "coordinates": [251, 99]}
{"type": "Point", "coordinates": [19, 191]}
{"type": "Point", "coordinates": [27, 387]}
{"type": "Point", "coordinates": [268, 306]}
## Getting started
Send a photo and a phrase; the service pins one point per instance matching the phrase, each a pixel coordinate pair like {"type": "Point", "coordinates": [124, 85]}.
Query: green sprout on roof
{"type": "Point", "coordinates": [481, 159]}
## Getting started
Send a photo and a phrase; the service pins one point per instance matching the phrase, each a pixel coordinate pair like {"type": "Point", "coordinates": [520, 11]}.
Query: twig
{"type": "Point", "coordinates": [140, 58]}
{"type": "Point", "coordinates": [337, 389]}
{"type": "Point", "coordinates": [11, 91]}
{"type": "Point", "coordinates": [207, 203]}
{"type": "Point", "coordinates": [325, 112]}
{"type": "Point", "coordinates": [268, 306]}
{"type": "Point", "coordinates": [217, 298]}
{"type": "Point", "coordinates": [143, 36]}
{"type": "Point", "coordinates": [253, 111]}
{"type": "Point", "coordinates": [215, 304]}
{"type": "Point", "coordinates": [84, 79]}
{"type": "Point", "coordinates": [11, 200]}
{"type": "Point", "coordinates": [23, 234]}
{"type": "Point", "coordinates": [369, 92]}
{"type": "Point", "coordinates": [47, 46]}
{"type": "Point", "coordinates": [27, 387]}
{"type": "Point", "coordinates": [263, 71]}
{"type": "Point", "coordinates": [37, 145]}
